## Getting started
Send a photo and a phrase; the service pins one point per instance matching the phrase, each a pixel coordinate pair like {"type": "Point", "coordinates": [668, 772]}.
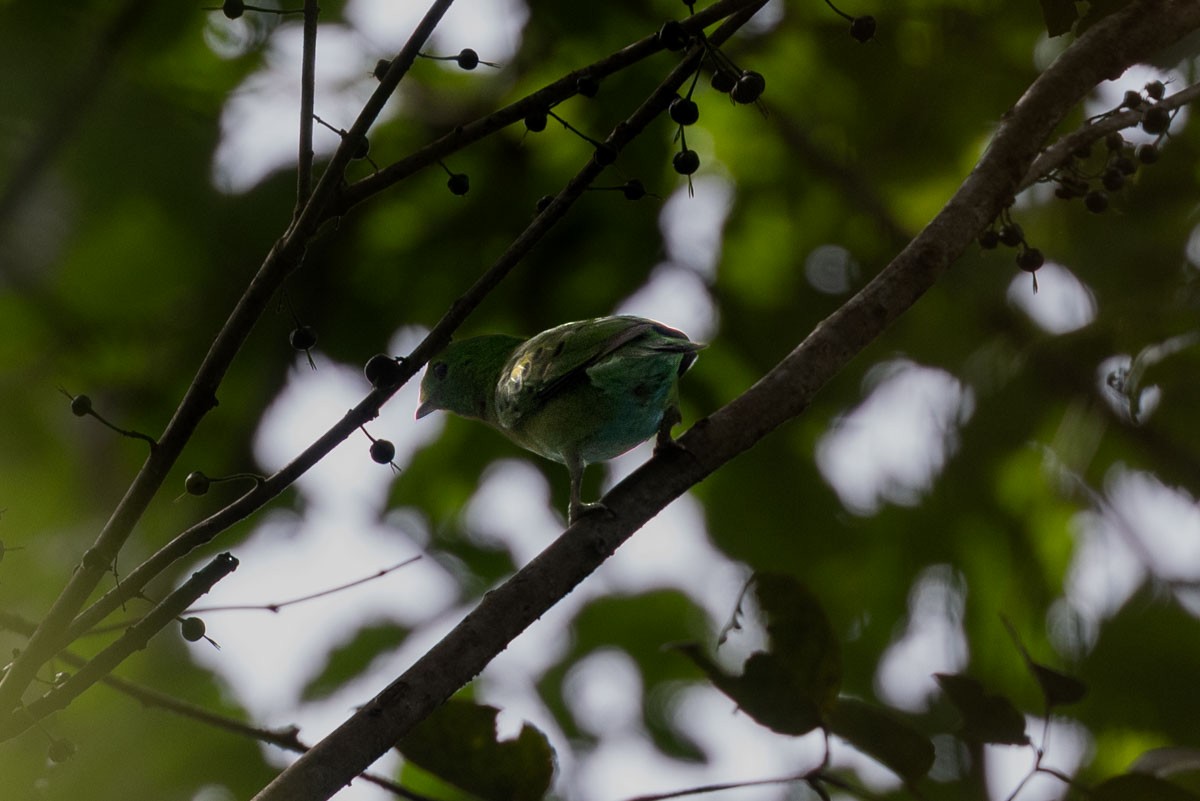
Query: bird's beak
{"type": "Point", "coordinates": [425, 408]}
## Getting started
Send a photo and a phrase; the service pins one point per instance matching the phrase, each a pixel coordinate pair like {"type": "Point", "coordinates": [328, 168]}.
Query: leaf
{"type": "Point", "coordinates": [873, 731]}
{"type": "Point", "coordinates": [1139, 787]}
{"type": "Point", "coordinates": [1059, 15]}
{"type": "Point", "coordinates": [987, 717]}
{"type": "Point", "coordinates": [790, 687]}
{"type": "Point", "coordinates": [458, 744]}
{"type": "Point", "coordinates": [352, 658]}
{"type": "Point", "coordinates": [1098, 10]}
{"type": "Point", "coordinates": [1058, 689]}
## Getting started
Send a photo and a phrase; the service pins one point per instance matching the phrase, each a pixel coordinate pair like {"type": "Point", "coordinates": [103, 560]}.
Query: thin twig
{"type": "Point", "coordinates": [308, 89]}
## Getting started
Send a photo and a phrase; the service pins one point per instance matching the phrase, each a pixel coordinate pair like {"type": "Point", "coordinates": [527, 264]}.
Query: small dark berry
{"type": "Point", "coordinates": [196, 483]}
{"type": "Point", "coordinates": [1156, 120]}
{"type": "Point", "coordinates": [684, 111]}
{"type": "Point", "coordinates": [633, 189]}
{"type": "Point", "coordinates": [1113, 179]}
{"type": "Point", "coordinates": [686, 162]}
{"type": "Point", "coordinates": [535, 121]}
{"type": "Point", "coordinates": [587, 85]}
{"type": "Point", "coordinates": [723, 81]}
{"type": "Point", "coordinates": [1125, 165]}
{"type": "Point", "coordinates": [467, 58]}
{"type": "Point", "coordinates": [1131, 99]}
{"type": "Point", "coordinates": [1114, 141]}
{"type": "Point", "coordinates": [382, 371]}
{"type": "Point", "coordinates": [1063, 192]}
{"type": "Point", "coordinates": [749, 87]}
{"type": "Point", "coordinates": [361, 148]}
{"type": "Point", "coordinates": [381, 68]}
{"type": "Point", "coordinates": [1083, 151]}
{"type": "Point", "coordinates": [1030, 260]}
{"type": "Point", "coordinates": [192, 629]}
{"type": "Point", "coordinates": [61, 750]}
{"type": "Point", "coordinates": [303, 337]}
{"type": "Point", "coordinates": [383, 451]}
{"type": "Point", "coordinates": [459, 183]}
{"type": "Point", "coordinates": [862, 29]}
{"type": "Point", "coordinates": [605, 154]}
{"type": "Point", "coordinates": [543, 203]}
{"type": "Point", "coordinates": [1147, 153]}
{"type": "Point", "coordinates": [989, 239]}
{"type": "Point", "coordinates": [672, 36]}
{"type": "Point", "coordinates": [1096, 201]}
{"type": "Point", "coordinates": [233, 8]}
{"type": "Point", "coordinates": [1156, 90]}
{"type": "Point", "coordinates": [81, 405]}
{"type": "Point", "coordinates": [1011, 235]}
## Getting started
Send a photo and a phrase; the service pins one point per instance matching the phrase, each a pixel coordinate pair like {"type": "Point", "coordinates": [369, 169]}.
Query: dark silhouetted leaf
{"type": "Point", "coordinates": [1059, 15]}
{"type": "Point", "coordinates": [354, 657]}
{"type": "Point", "coordinates": [1058, 689]}
{"type": "Point", "coordinates": [987, 717]}
{"type": "Point", "coordinates": [876, 732]}
{"type": "Point", "coordinates": [788, 688]}
{"type": "Point", "coordinates": [1139, 787]}
{"type": "Point", "coordinates": [458, 743]}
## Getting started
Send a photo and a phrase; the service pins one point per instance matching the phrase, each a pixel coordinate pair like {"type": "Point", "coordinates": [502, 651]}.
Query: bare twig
{"type": "Point", "coordinates": [308, 89]}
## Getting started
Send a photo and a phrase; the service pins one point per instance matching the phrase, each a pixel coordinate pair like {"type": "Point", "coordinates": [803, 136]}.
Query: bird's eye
{"type": "Point", "coordinates": [440, 369]}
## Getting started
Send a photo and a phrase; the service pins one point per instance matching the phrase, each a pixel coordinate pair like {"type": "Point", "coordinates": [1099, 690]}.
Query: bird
{"type": "Point", "coordinates": [578, 393]}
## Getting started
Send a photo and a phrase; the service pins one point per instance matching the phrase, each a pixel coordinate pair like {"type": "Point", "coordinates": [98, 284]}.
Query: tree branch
{"type": "Point", "coordinates": [308, 90]}
{"type": "Point", "coordinates": [1105, 50]}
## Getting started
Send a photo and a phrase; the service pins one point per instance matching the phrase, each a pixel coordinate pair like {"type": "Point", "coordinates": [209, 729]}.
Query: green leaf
{"type": "Point", "coordinates": [353, 658]}
{"type": "Point", "coordinates": [1139, 787]}
{"type": "Point", "coordinates": [1059, 15]}
{"type": "Point", "coordinates": [1059, 689]}
{"type": "Point", "coordinates": [458, 743]}
{"type": "Point", "coordinates": [987, 717]}
{"type": "Point", "coordinates": [790, 687]}
{"type": "Point", "coordinates": [874, 731]}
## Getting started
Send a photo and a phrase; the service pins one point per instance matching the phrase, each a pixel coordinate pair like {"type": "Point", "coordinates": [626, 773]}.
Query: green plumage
{"type": "Point", "coordinates": [578, 393]}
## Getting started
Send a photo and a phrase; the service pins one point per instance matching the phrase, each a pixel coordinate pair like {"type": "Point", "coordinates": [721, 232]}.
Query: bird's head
{"type": "Point", "coordinates": [462, 378]}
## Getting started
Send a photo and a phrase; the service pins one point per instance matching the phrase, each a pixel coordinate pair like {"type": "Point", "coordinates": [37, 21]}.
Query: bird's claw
{"type": "Point", "coordinates": [580, 510]}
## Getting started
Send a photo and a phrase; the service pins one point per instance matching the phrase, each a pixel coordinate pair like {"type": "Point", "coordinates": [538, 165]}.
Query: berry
{"type": "Point", "coordinates": [749, 87]}
{"type": "Point", "coordinates": [587, 86]}
{"type": "Point", "coordinates": [672, 36]}
{"type": "Point", "coordinates": [382, 371]}
{"type": "Point", "coordinates": [605, 154]}
{"type": "Point", "coordinates": [361, 148]}
{"type": "Point", "coordinates": [381, 68]}
{"type": "Point", "coordinates": [633, 189]}
{"type": "Point", "coordinates": [233, 9]}
{"type": "Point", "coordinates": [1131, 100]}
{"type": "Point", "coordinates": [303, 337]}
{"type": "Point", "coordinates": [81, 405]}
{"type": "Point", "coordinates": [535, 121]}
{"type": "Point", "coordinates": [723, 81]}
{"type": "Point", "coordinates": [1125, 165]}
{"type": "Point", "coordinates": [1113, 179]}
{"type": "Point", "coordinates": [862, 29]}
{"type": "Point", "coordinates": [1030, 260]}
{"type": "Point", "coordinates": [192, 628]}
{"type": "Point", "coordinates": [1147, 153]}
{"type": "Point", "coordinates": [543, 203]}
{"type": "Point", "coordinates": [1114, 141]}
{"type": "Point", "coordinates": [383, 451]}
{"type": "Point", "coordinates": [459, 183]}
{"type": "Point", "coordinates": [1096, 201]}
{"type": "Point", "coordinates": [1083, 151]}
{"type": "Point", "coordinates": [1156, 120]}
{"type": "Point", "coordinates": [196, 483]}
{"type": "Point", "coordinates": [467, 59]}
{"type": "Point", "coordinates": [1156, 90]}
{"type": "Point", "coordinates": [1011, 235]}
{"type": "Point", "coordinates": [62, 750]}
{"type": "Point", "coordinates": [686, 162]}
{"type": "Point", "coordinates": [989, 239]}
{"type": "Point", "coordinates": [684, 111]}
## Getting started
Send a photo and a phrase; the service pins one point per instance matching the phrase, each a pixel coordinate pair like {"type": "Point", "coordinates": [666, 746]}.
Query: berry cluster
{"type": "Point", "coordinates": [1082, 177]}
{"type": "Point", "coordinates": [1010, 234]}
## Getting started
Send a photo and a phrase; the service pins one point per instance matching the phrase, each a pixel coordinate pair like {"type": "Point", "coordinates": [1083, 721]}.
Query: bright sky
{"type": "Point", "coordinates": [887, 450]}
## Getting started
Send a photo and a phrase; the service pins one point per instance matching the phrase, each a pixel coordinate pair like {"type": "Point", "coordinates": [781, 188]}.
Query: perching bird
{"type": "Point", "coordinates": [578, 393]}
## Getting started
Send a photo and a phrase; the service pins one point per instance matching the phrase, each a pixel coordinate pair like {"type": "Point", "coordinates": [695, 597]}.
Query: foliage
{"type": "Point", "coordinates": [997, 489]}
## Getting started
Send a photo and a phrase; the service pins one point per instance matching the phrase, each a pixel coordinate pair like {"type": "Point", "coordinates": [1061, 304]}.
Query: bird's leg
{"type": "Point", "coordinates": [577, 507]}
{"type": "Point", "coordinates": [664, 440]}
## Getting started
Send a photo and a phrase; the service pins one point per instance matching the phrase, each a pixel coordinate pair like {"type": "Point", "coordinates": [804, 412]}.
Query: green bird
{"type": "Point", "coordinates": [578, 393]}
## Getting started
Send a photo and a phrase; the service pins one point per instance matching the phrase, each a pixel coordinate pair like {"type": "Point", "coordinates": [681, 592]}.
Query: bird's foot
{"type": "Point", "coordinates": [580, 510]}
